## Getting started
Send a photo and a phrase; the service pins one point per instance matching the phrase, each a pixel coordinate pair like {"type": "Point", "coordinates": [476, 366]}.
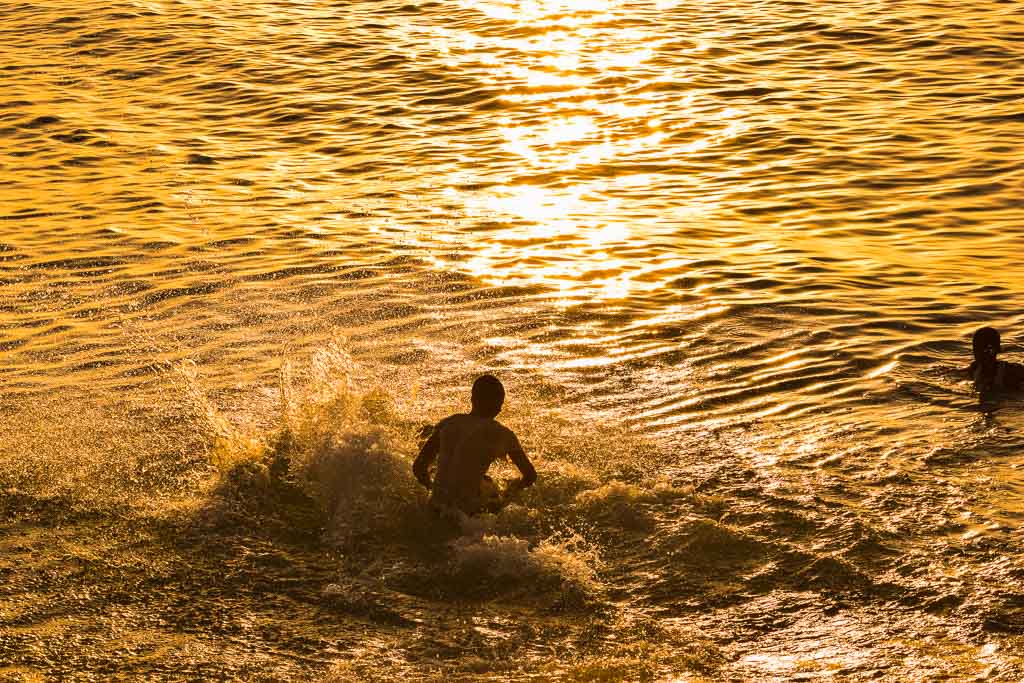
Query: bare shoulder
{"type": "Point", "coordinates": [453, 419]}
{"type": "Point", "coordinates": [1016, 373]}
{"type": "Point", "coordinates": [507, 435]}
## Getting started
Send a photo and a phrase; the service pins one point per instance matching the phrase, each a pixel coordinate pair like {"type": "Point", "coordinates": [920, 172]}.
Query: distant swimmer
{"type": "Point", "coordinates": [988, 373]}
{"type": "Point", "coordinates": [464, 446]}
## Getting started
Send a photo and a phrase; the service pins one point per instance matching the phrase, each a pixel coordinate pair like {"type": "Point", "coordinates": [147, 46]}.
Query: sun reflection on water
{"type": "Point", "coordinates": [569, 12]}
{"type": "Point", "coordinates": [561, 217]}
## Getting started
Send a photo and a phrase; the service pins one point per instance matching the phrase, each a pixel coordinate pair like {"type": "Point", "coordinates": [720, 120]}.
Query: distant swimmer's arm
{"type": "Point", "coordinates": [1015, 376]}
{"type": "Point", "coordinates": [518, 457]}
{"type": "Point", "coordinates": [427, 456]}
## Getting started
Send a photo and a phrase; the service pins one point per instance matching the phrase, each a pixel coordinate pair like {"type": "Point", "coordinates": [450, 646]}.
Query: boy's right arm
{"type": "Point", "coordinates": [427, 456]}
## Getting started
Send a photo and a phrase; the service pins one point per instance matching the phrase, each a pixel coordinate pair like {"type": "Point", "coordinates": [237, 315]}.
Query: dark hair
{"type": "Point", "coordinates": [488, 394]}
{"type": "Point", "coordinates": [986, 337]}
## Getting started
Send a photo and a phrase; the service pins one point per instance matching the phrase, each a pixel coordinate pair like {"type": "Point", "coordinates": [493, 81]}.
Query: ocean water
{"type": "Point", "coordinates": [726, 256]}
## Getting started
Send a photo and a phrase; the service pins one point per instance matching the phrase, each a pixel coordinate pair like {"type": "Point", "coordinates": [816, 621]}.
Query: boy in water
{"type": "Point", "coordinates": [988, 373]}
{"type": "Point", "coordinates": [464, 446]}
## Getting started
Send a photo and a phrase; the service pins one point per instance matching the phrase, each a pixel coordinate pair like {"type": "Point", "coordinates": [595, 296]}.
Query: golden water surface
{"type": "Point", "coordinates": [757, 233]}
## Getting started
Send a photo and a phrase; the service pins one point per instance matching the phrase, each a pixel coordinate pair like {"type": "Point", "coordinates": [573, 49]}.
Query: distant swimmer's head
{"type": "Point", "coordinates": [488, 395]}
{"type": "Point", "coordinates": [986, 343]}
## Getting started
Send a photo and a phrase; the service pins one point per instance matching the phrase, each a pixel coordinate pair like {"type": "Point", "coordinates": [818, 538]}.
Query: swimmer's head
{"type": "Point", "coordinates": [488, 395]}
{"type": "Point", "coordinates": [985, 343]}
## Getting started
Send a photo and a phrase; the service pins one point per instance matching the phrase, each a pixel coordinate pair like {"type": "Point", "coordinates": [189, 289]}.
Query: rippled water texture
{"type": "Point", "coordinates": [756, 234]}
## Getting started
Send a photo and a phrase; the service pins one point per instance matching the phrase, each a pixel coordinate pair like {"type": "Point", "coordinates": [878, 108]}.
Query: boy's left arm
{"type": "Point", "coordinates": [518, 457]}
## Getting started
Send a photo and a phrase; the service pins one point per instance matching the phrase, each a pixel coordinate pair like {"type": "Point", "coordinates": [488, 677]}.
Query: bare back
{"type": "Point", "coordinates": [468, 446]}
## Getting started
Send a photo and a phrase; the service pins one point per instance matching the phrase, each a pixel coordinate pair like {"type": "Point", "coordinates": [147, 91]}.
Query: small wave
{"type": "Point", "coordinates": [621, 505]}
{"type": "Point", "coordinates": [705, 541]}
{"type": "Point", "coordinates": [566, 563]}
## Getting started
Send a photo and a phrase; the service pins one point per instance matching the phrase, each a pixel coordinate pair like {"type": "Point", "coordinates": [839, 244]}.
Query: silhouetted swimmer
{"type": "Point", "coordinates": [464, 446]}
{"type": "Point", "coordinates": [989, 373]}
